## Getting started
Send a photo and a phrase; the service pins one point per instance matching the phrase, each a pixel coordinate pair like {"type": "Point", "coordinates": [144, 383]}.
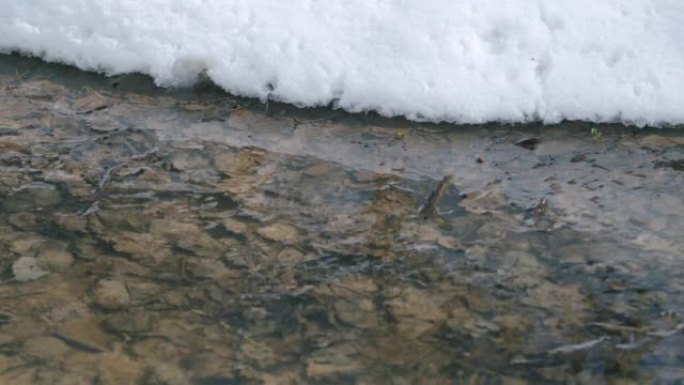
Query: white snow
{"type": "Point", "coordinates": [465, 61]}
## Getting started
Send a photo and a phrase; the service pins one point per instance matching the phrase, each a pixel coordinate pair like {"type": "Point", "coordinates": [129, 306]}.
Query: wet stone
{"type": "Point", "coordinates": [317, 169]}
{"type": "Point", "coordinates": [111, 295]}
{"type": "Point", "coordinates": [189, 161]}
{"type": "Point", "coordinates": [360, 313]}
{"type": "Point", "coordinates": [415, 311]}
{"type": "Point", "coordinates": [125, 323]}
{"type": "Point", "coordinates": [164, 374]}
{"type": "Point", "coordinates": [205, 366]}
{"type": "Point", "coordinates": [55, 259]}
{"type": "Point", "coordinates": [32, 197]}
{"type": "Point", "coordinates": [72, 223]}
{"type": "Point", "coordinates": [332, 363]}
{"type": "Point", "coordinates": [528, 143]}
{"type": "Point", "coordinates": [279, 232]}
{"type": "Point", "coordinates": [23, 220]}
{"type": "Point", "coordinates": [27, 269]}
{"type": "Point", "coordinates": [4, 131]}
{"type": "Point", "coordinates": [210, 269]}
{"type": "Point", "coordinates": [47, 348]}
{"type": "Point", "coordinates": [85, 333]}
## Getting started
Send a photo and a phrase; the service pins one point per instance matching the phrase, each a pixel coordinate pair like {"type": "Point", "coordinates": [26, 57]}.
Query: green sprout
{"type": "Point", "coordinates": [596, 134]}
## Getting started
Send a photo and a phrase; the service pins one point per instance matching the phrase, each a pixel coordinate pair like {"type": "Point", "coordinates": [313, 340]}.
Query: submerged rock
{"type": "Point", "coordinates": [32, 197]}
{"type": "Point", "coordinates": [111, 295]}
{"type": "Point", "coordinates": [164, 374]}
{"type": "Point", "coordinates": [279, 232]}
{"type": "Point", "coordinates": [129, 323]}
{"type": "Point", "coordinates": [47, 348]}
{"type": "Point", "coordinates": [331, 363]}
{"type": "Point", "coordinates": [27, 269]}
{"type": "Point", "coordinates": [55, 259]}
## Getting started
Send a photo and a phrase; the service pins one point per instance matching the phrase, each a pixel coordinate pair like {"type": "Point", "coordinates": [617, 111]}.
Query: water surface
{"type": "Point", "coordinates": [153, 236]}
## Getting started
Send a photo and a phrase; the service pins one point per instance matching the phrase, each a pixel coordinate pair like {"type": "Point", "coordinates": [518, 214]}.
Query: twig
{"type": "Point", "coordinates": [78, 344]}
{"type": "Point", "coordinates": [577, 347]}
{"type": "Point", "coordinates": [429, 210]}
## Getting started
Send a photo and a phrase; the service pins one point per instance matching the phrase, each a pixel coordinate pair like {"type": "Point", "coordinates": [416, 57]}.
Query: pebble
{"type": "Point", "coordinates": [129, 323]}
{"type": "Point", "coordinates": [32, 196]}
{"type": "Point", "coordinates": [27, 269]}
{"type": "Point", "coordinates": [48, 348]}
{"type": "Point", "coordinates": [278, 232]}
{"type": "Point", "coordinates": [111, 295]}
{"type": "Point", "coordinates": [164, 374]}
{"type": "Point", "coordinates": [56, 260]}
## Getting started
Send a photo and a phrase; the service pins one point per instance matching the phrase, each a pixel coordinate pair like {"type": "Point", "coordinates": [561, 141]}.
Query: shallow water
{"type": "Point", "coordinates": [151, 236]}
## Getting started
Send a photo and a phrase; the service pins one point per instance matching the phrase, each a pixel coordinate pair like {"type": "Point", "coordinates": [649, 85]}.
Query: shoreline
{"type": "Point", "coordinates": [138, 82]}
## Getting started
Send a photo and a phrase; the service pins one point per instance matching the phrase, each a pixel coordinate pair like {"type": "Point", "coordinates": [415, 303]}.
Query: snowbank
{"type": "Point", "coordinates": [464, 61]}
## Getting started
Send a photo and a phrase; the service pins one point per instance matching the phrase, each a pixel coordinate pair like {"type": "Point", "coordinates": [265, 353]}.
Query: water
{"type": "Point", "coordinates": [186, 237]}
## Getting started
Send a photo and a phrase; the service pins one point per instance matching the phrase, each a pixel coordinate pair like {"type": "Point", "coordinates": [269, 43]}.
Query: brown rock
{"type": "Point", "coordinates": [164, 374]}
{"type": "Point", "coordinates": [116, 368]}
{"type": "Point", "coordinates": [142, 246]}
{"type": "Point", "coordinates": [55, 259]}
{"type": "Point", "coordinates": [317, 169]}
{"type": "Point", "coordinates": [332, 362]}
{"type": "Point", "coordinates": [210, 269]}
{"type": "Point", "coordinates": [22, 220]}
{"type": "Point", "coordinates": [358, 312]}
{"type": "Point", "coordinates": [46, 348]}
{"type": "Point", "coordinates": [129, 323]}
{"type": "Point", "coordinates": [111, 295]}
{"type": "Point", "coordinates": [279, 232]}
{"type": "Point", "coordinates": [415, 311]}
{"type": "Point", "coordinates": [87, 331]}
{"type": "Point", "coordinates": [27, 269]}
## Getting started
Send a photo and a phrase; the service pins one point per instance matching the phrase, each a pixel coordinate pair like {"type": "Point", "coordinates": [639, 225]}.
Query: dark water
{"type": "Point", "coordinates": [155, 236]}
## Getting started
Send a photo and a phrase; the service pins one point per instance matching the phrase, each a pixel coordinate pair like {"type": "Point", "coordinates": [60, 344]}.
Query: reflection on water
{"type": "Point", "coordinates": [159, 237]}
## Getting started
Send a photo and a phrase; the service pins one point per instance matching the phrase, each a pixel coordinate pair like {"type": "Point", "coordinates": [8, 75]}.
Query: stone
{"type": "Point", "coordinates": [164, 374]}
{"type": "Point", "coordinates": [358, 312]}
{"type": "Point", "coordinates": [111, 295]}
{"type": "Point", "coordinates": [335, 362]}
{"type": "Point", "coordinates": [129, 323]}
{"type": "Point", "coordinates": [27, 269]}
{"type": "Point", "coordinates": [415, 311]}
{"type": "Point", "coordinates": [72, 223]}
{"type": "Point", "coordinates": [142, 247]}
{"type": "Point", "coordinates": [210, 269]}
{"type": "Point", "coordinates": [32, 197]}
{"type": "Point", "coordinates": [278, 232]}
{"type": "Point", "coordinates": [117, 368]}
{"type": "Point", "coordinates": [46, 348]}
{"type": "Point", "coordinates": [235, 226]}
{"type": "Point", "coordinates": [56, 260]}
{"type": "Point", "coordinates": [317, 169]}
{"type": "Point", "coordinates": [482, 202]}
{"type": "Point", "coordinates": [22, 220]}
{"type": "Point", "coordinates": [192, 160]}
{"type": "Point", "coordinates": [87, 331]}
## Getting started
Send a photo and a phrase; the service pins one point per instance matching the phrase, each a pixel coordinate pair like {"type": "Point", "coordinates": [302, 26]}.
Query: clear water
{"type": "Point", "coordinates": [187, 237]}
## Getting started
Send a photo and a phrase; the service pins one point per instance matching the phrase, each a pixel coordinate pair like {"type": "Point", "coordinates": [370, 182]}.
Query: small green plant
{"type": "Point", "coordinates": [399, 135]}
{"type": "Point", "coordinates": [596, 134]}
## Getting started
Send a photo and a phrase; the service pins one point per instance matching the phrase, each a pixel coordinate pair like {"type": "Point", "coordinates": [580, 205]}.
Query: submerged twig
{"type": "Point", "coordinates": [667, 333]}
{"type": "Point", "coordinates": [429, 210]}
{"type": "Point", "coordinates": [107, 176]}
{"type": "Point", "coordinates": [78, 344]}
{"type": "Point", "coordinates": [577, 347]}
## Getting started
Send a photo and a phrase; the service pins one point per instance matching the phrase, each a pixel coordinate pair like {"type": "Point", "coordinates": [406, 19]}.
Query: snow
{"type": "Point", "coordinates": [463, 61]}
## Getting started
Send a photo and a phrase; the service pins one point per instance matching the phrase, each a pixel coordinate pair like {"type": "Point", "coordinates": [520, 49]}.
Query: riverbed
{"type": "Point", "coordinates": [155, 236]}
